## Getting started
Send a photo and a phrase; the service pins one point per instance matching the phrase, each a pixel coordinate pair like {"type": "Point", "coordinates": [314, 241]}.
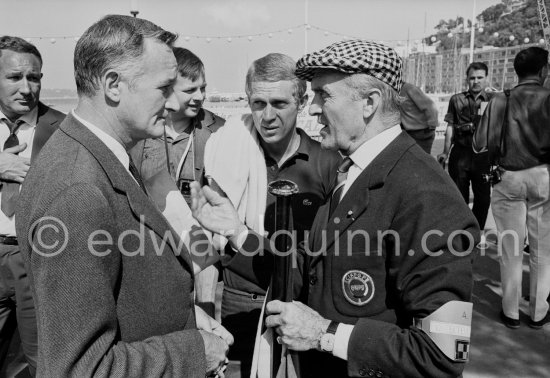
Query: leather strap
{"type": "Point", "coordinates": [332, 327]}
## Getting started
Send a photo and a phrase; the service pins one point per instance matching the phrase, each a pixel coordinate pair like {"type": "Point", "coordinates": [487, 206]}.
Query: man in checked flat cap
{"type": "Point", "coordinates": [388, 269]}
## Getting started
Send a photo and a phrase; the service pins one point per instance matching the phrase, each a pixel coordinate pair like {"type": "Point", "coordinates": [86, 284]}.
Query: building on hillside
{"type": "Point", "coordinates": [514, 5]}
{"type": "Point", "coordinates": [445, 72]}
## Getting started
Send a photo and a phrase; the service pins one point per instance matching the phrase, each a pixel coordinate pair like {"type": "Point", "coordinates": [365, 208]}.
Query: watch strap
{"type": "Point", "coordinates": [332, 327]}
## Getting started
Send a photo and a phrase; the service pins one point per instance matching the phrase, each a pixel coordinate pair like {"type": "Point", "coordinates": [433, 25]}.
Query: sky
{"type": "Point", "coordinates": [226, 62]}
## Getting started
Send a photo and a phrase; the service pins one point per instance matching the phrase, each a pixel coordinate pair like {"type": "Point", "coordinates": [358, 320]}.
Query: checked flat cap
{"type": "Point", "coordinates": [354, 56]}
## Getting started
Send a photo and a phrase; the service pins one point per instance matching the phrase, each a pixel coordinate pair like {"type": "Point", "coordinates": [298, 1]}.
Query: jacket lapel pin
{"type": "Point", "coordinates": [350, 215]}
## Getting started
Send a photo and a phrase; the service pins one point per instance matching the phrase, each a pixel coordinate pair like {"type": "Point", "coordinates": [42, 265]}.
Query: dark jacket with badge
{"type": "Point", "coordinates": [377, 275]}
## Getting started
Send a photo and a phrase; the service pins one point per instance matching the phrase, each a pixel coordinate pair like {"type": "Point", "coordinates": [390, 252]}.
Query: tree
{"type": "Point", "coordinates": [493, 13]}
{"type": "Point", "coordinates": [522, 23]}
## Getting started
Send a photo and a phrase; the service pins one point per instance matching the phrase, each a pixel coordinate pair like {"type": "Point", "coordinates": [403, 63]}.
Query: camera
{"type": "Point", "coordinates": [493, 177]}
{"type": "Point", "coordinates": [466, 128]}
{"type": "Point", "coordinates": [184, 186]}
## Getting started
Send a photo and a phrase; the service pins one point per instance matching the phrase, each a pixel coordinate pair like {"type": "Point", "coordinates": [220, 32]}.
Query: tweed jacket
{"type": "Point", "coordinates": [112, 284]}
{"type": "Point", "coordinates": [378, 229]}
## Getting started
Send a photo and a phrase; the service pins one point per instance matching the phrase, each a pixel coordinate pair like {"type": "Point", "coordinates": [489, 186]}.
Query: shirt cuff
{"type": "Point", "coordinates": [341, 341]}
{"type": "Point", "coordinates": [237, 240]}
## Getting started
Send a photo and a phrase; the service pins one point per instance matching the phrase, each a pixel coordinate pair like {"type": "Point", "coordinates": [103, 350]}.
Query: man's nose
{"type": "Point", "coordinates": [269, 113]}
{"type": "Point", "coordinates": [172, 103]}
{"type": "Point", "coordinates": [198, 95]}
{"type": "Point", "coordinates": [25, 86]}
{"type": "Point", "coordinates": [314, 107]}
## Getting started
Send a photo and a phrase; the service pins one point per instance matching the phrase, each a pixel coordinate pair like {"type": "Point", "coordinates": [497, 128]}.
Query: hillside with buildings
{"type": "Point", "coordinates": [493, 27]}
{"type": "Point", "coordinates": [500, 32]}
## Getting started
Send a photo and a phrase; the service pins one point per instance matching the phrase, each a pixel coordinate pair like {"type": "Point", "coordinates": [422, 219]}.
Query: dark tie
{"type": "Point", "coordinates": [10, 190]}
{"type": "Point", "coordinates": [340, 181]}
{"type": "Point", "coordinates": [134, 171]}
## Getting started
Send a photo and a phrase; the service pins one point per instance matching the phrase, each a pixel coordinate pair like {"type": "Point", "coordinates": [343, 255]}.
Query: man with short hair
{"type": "Point", "coordinates": [378, 269]}
{"type": "Point", "coordinates": [112, 282]}
{"type": "Point", "coordinates": [275, 97]}
{"type": "Point", "coordinates": [187, 130]}
{"type": "Point", "coordinates": [515, 132]}
{"type": "Point", "coordinates": [466, 167]}
{"type": "Point", "coordinates": [25, 126]}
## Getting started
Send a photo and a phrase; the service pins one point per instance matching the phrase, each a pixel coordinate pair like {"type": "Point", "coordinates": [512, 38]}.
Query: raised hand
{"type": "Point", "coordinates": [14, 168]}
{"type": "Point", "coordinates": [214, 212]}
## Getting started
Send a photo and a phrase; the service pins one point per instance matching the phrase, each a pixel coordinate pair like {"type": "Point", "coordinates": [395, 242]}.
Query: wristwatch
{"type": "Point", "coordinates": [327, 339]}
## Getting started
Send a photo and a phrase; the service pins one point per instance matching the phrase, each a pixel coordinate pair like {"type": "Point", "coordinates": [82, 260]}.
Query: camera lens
{"type": "Point", "coordinates": [184, 187]}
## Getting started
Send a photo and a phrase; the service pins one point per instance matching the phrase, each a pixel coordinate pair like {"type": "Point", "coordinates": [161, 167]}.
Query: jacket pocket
{"type": "Point", "coordinates": [358, 284]}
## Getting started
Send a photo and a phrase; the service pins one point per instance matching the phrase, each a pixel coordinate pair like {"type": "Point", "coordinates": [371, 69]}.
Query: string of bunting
{"type": "Point", "coordinates": [230, 38]}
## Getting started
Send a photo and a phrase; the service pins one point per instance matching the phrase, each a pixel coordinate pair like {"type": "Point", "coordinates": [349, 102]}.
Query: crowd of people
{"type": "Point", "coordinates": [102, 279]}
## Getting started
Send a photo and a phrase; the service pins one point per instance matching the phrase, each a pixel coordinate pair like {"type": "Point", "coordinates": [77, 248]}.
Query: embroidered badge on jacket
{"type": "Point", "coordinates": [358, 287]}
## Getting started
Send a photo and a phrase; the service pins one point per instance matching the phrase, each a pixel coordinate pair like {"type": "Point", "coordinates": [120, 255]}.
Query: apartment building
{"type": "Point", "coordinates": [445, 72]}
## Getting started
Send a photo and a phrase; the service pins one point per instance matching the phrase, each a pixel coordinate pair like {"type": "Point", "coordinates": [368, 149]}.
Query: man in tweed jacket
{"type": "Point", "coordinates": [113, 285]}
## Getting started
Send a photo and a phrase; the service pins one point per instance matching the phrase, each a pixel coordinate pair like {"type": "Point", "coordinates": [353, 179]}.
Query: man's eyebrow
{"type": "Point", "coordinates": [319, 90]}
{"type": "Point", "coordinates": [166, 82]}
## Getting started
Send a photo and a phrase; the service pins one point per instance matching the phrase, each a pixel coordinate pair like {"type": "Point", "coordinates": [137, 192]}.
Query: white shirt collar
{"type": "Point", "coordinates": [112, 144]}
{"type": "Point", "coordinates": [369, 150]}
{"type": "Point", "coordinates": [30, 118]}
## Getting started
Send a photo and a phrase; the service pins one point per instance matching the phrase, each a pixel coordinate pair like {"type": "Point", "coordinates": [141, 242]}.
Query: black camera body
{"type": "Point", "coordinates": [493, 177]}
{"type": "Point", "coordinates": [184, 187]}
{"type": "Point", "coordinates": [465, 129]}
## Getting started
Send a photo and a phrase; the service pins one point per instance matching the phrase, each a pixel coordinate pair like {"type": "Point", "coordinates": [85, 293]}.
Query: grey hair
{"type": "Point", "coordinates": [272, 68]}
{"type": "Point", "coordinates": [115, 41]}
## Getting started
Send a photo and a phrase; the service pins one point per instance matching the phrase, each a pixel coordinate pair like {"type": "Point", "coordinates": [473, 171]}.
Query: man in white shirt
{"type": "Point", "coordinates": [25, 125]}
{"type": "Point", "coordinates": [388, 254]}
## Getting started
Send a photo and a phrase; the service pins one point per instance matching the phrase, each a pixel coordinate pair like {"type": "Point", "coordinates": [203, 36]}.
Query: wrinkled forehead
{"type": "Point", "coordinates": [159, 59]}
{"type": "Point", "coordinates": [323, 78]}
{"type": "Point", "coordinates": [13, 60]}
{"type": "Point", "coordinates": [282, 88]}
{"type": "Point", "coordinates": [476, 74]}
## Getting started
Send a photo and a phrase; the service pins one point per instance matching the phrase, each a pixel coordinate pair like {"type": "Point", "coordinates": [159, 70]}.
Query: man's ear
{"type": "Point", "coordinates": [111, 85]}
{"type": "Point", "coordinates": [303, 102]}
{"type": "Point", "coordinates": [371, 102]}
{"type": "Point", "coordinates": [543, 73]}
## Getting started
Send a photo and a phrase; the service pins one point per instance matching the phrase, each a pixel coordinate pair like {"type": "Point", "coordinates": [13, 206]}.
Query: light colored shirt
{"type": "Point", "coordinates": [112, 144]}
{"type": "Point", "coordinates": [366, 153]}
{"type": "Point", "coordinates": [25, 134]}
{"type": "Point", "coordinates": [362, 157]}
